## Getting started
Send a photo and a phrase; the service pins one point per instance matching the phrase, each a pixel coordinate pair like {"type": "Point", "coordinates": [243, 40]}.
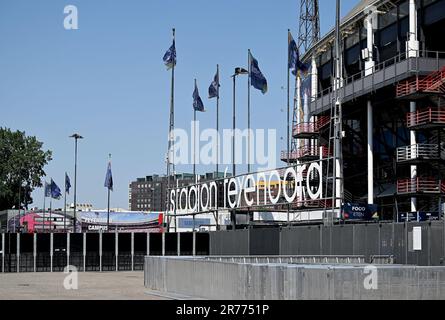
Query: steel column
{"type": "Point", "coordinates": [100, 251]}
{"type": "Point", "coordinates": [370, 154]}
{"type": "Point", "coordinates": [34, 251]}
{"type": "Point", "coordinates": [51, 250]}
{"type": "Point", "coordinates": [18, 252]}
{"type": "Point", "coordinates": [132, 251]}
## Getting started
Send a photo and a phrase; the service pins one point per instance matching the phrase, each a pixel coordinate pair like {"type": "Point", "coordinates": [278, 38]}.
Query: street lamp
{"type": "Point", "coordinates": [238, 71]}
{"type": "Point", "coordinates": [76, 137]}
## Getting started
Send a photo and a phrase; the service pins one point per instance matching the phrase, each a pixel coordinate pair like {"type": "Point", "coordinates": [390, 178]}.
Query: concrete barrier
{"type": "Point", "coordinates": [222, 279]}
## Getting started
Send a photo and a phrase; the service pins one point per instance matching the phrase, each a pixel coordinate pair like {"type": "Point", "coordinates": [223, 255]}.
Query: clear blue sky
{"type": "Point", "coordinates": [107, 80]}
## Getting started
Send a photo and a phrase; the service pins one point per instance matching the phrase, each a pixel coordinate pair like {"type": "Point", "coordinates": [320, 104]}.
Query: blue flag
{"type": "Point", "coordinates": [293, 55]}
{"type": "Point", "coordinates": [257, 79]}
{"type": "Point", "coordinates": [170, 57]}
{"type": "Point", "coordinates": [197, 102]}
{"type": "Point", "coordinates": [47, 190]}
{"type": "Point", "coordinates": [55, 190]}
{"type": "Point", "coordinates": [109, 178]}
{"type": "Point", "coordinates": [214, 87]}
{"type": "Point", "coordinates": [67, 183]}
{"type": "Point", "coordinates": [294, 58]}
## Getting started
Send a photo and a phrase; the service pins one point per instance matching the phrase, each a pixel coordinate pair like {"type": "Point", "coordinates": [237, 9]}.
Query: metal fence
{"type": "Point", "coordinates": [368, 240]}
{"type": "Point", "coordinates": [93, 251]}
{"type": "Point", "coordinates": [225, 280]}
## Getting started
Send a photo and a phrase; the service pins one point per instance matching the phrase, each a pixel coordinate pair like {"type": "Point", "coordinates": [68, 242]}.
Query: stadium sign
{"type": "Point", "coordinates": [279, 186]}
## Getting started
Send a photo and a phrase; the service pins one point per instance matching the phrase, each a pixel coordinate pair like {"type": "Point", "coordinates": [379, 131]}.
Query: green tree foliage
{"type": "Point", "coordinates": [21, 167]}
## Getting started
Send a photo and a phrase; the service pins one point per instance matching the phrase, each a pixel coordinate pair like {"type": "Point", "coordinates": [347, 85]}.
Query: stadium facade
{"type": "Point", "coordinates": [391, 87]}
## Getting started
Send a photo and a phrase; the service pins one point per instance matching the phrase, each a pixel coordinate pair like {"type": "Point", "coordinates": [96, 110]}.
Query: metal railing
{"type": "Point", "coordinates": [303, 259]}
{"type": "Point", "coordinates": [427, 116]}
{"type": "Point", "coordinates": [420, 185]}
{"type": "Point", "coordinates": [311, 127]}
{"type": "Point", "coordinates": [306, 152]}
{"type": "Point", "coordinates": [418, 151]}
{"type": "Point", "coordinates": [433, 83]}
{"type": "Point", "coordinates": [370, 72]}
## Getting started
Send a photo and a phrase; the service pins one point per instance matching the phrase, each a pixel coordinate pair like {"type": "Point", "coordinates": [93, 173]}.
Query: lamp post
{"type": "Point", "coordinates": [238, 71]}
{"type": "Point", "coordinates": [76, 137]}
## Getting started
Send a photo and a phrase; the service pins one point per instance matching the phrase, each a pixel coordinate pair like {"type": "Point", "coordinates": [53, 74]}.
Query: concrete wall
{"type": "Point", "coordinates": [210, 279]}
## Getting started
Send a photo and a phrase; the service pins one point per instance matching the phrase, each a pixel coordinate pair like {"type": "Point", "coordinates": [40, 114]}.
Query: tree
{"type": "Point", "coordinates": [21, 167]}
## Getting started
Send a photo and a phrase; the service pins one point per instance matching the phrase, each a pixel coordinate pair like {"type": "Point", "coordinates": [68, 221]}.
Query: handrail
{"type": "Point", "coordinates": [396, 59]}
{"type": "Point", "coordinates": [306, 151]}
{"type": "Point", "coordinates": [416, 151]}
{"type": "Point", "coordinates": [431, 185]}
{"type": "Point", "coordinates": [426, 116]}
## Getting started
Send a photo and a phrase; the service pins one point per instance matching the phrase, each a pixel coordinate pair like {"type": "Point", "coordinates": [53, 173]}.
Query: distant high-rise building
{"type": "Point", "coordinates": [149, 193]}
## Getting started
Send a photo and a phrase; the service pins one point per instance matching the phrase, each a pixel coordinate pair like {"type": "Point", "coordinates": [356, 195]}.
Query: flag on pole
{"type": "Point", "coordinates": [257, 79]}
{"type": "Point", "coordinates": [47, 190]}
{"type": "Point", "coordinates": [109, 178]}
{"type": "Point", "coordinates": [67, 183]}
{"type": "Point", "coordinates": [55, 190]}
{"type": "Point", "coordinates": [170, 57]}
{"type": "Point", "coordinates": [295, 64]}
{"type": "Point", "coordinates": [197, 102]}
{"type": "Point", "coordinates": [214, 87]}
{"type": "Point", "coordinates": [293, 54]}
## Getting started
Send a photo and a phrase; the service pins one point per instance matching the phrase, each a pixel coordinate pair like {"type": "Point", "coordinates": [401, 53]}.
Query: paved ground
{"type": "Point", "coordinates": [91, 286]}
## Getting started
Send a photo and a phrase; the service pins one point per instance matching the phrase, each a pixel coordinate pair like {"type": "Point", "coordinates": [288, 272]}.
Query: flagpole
{"type": "Point", "coordinates": [64, 208]}
{"type": "Point", "coordinates": [170, 138]}
{"type": "Point", "coordinates": [248, 111]}
{"type": "Point", "coordinates": [217, 122]}
{"type": "Point", "coordinates": [44, 205]}
{"type": "Point", "coordinates": [108, 211]}
{"type": "Point", "coordinates": [217, 138]}
{"type": "Point", "coordinates": [50, 213]}
{"type": "Point", "coordinates": [194, 142]}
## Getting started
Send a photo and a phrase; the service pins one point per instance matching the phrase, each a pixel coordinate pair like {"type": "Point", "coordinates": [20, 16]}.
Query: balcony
{"type": "Point", "coordinates": [306, 154]}
{"type": "Point", "coordinates": [386, 73]}
{"type": "Point", "coordinates": [420, 186]}
{"type": "Point", "coordinates": [426, 119]}
{"type": "Point", "coordinates": [309, 130]}
{"type": "Point", "coordinates": [418, 86]}
{"type": "Point", "coordinates": [418, 153]}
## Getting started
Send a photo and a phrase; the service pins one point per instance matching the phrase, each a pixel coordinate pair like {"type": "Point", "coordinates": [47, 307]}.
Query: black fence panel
{"type": "Point", "coordinates": [386, 239]}
{"type": "Point", "coordinates": [186, 244]}
{"type": "Point", "coordinates": [264, 241]}
{"type": "Point", "coordinates": [342, 243]}
{"type": "Point", "coordinates": [76, 250]}
{"type": "Point", "coordinates": [202, 244]}
{"type": "Point", "coordinates": [26, 261]}
{"type": "Point", "coordinates": [155, 244]}
{"type": "Point", "coordinates": [140, 250]}
{"type": "Point", "coordinates": [437, 246]}
{"type": "Point", "coordinates": [400, 245]}
{"type": "Point", "coordinates": [92, 261]}
{"type": "Point", "coordinates": [326, 240]}
{"type": "Point", "coordinates": [171, 244]}
{"type": "Point", "coordinates": [223, 243]}
{"type": "Point", "coordinates": [43, 258]}
{"type": "Point", "coordinates": [108, 252]}
{"type": "Point", "coordinates": [2, 252]}
{"type": "Point", "coordinates": [124, 252]}
{"type": "Point", "coordinates": [60, 258]}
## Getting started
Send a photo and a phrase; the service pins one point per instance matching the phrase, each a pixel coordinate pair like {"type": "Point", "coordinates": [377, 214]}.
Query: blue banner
{"type": "Point", "coordinates": [357, 211]}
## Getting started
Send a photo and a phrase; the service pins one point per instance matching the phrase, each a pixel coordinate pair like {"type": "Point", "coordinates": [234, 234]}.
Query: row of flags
{"type": "Point", "coordinates": [53, 191]}
{"type": "Point", "coordinates": [257, 78]}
